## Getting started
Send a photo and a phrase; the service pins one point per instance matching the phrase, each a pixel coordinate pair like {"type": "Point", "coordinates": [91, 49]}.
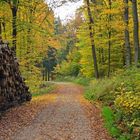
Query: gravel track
{"type": "Point", "coordinates": [66, 118]}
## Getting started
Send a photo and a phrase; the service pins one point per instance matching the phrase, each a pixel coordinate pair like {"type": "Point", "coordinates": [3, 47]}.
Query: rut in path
{"type": "Point", "coordinates": [65, 118]}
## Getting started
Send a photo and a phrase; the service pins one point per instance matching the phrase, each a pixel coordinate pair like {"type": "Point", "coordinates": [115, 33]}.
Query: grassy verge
{"type": "Point", "coordinates": [120, 96]}
{"type": "Point", "coordinates": [45, 88]}
{"type": "Point", "coordinates": [78, 80]}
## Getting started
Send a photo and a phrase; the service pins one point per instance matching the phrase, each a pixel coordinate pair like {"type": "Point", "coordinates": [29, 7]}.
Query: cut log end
{"type": "Point", "coordinates": [13, 90]}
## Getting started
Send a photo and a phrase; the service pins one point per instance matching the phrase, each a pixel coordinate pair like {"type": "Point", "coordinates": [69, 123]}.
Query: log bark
{"type": "Point", "coordinates": [13, 90]}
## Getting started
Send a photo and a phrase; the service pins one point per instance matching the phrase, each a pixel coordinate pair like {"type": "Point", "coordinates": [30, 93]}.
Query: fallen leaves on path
{"type": "Point", "coordinates": [93, 112]}
{"type": "Point", "coordinates": [18, 117]}
{"type": "Point", "coordinates": [61, 115]}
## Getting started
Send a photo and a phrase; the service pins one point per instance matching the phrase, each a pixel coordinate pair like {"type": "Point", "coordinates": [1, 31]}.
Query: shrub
{"type": "Point", "coordinates": [100, 90]}
{"type": "Point", "coordinates": [82, 81]}
{"type": "Point", "coordinates": [128, 102]}
{"type": "Point", "coordinates": [122, 93]}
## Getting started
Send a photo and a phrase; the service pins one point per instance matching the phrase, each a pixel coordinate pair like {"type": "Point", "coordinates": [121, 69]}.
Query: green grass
{"type": "Point", "coordinates": [100, 90]}
{"type": "Point", "coordinates": [110, 123]}
{"type": "Point", "coordinates": [45, 88]}
{"type": "Point", "coordinates": [108, 116]}
{"type": "Point", "coordinates": [78, 80]}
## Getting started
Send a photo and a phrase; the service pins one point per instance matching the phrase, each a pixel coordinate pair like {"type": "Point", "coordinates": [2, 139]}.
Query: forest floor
{"type": "Point", "coordinates": [63, 114]}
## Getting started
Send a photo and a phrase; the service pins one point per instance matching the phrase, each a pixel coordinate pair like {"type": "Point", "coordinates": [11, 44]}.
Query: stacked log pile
{"type": "Point", "coordinates": [13, 90]}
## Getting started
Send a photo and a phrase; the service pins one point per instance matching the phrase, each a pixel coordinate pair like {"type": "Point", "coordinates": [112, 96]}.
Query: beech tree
{"type": "Point", "coordinates": [109, 36]}
{"type": "Point", "coordinates": [91, 24]}
{"type": "Point", "coordinates": [136, 30]}
{"type": "Point", "coordinates": [127, 36]}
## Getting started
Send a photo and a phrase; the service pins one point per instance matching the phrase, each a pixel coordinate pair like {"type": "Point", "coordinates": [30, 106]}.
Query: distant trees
{"type": "Point", "coordinates": [68, 55]}
{"type": "Point", "coordinates": [104, 35]}
{"type": "Point", "coordinates": [107, 38]}
{"type": "Point", "coordinates": [49, 63]}
{"type": "Point", "coordinates": [112, 24]}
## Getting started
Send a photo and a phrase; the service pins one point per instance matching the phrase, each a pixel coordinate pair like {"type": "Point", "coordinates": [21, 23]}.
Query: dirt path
{"type": "Point", "coordinates": [68, 117]}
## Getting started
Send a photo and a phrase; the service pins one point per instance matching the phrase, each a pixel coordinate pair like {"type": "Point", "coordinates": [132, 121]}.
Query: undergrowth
{"type": "Point", "coordinates": [78, 80]}
{"type": "Point", "coordinates": [110, 121]}
{"type": "Point", "coordinates": [45, 88]}
{"type": "Point", "coordinates": [121, 97]}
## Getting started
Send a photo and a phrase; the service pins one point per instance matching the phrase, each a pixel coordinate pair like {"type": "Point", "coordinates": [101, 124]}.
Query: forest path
{"type": "Point", "coordinates": [68, 117]}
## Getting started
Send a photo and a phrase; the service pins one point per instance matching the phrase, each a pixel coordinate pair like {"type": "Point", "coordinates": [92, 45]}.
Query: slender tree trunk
{"type": "Point", "coordinates": [102, 51]}
{"type": "Point", "coordinates": [4, 29]}
{"type": "Point", "coordinates": [43, 74]}
{"type": "Point", "coordinates": [109, 40]}
{"type": "Point", "coordinates": [48, 75]}
{"type": "Point", "coordinates": [30, 20]}
{"type": "Point", "coordinates": [123, 55]}
{"type": "Point", "coordinates": [14, 26]}
{"type": "Point", "coordinates": [0, 28]}
{"type": "Point", "coordinates": [136, 30]}
{"type": "Point", "coordinates": [109, 53]}
{"type": "Point", "coordinates": [126, 32]}
{"type": "Point", "coordinates": [91, 22]}
{"type": "Point", "coordinates": [100, 55]}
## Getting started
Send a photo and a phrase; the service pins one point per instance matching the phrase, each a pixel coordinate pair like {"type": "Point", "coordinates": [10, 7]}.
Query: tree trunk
{"type": "Point", "coordinates": [109, 53]}
{"type": "Point", "coordinates": [14, 26]}
{"type": "Point", "coordinates": [4, 29]}
{"type": "Point", "coordinates": [126, 32]}
{"type": "Point", "coordinates": [136, 30]}
{"type": "Point", "coordinates": [102, 51]}
{"type": "Point", "coordinates": [48, 75]}
{"type": "Point", "coordinates": [91, 22]}
{"type": "Point", "coordinates": [1, 32]}
{"type": "Point", "coordinates": [0, 28]}
{"type": "Point", "coordinates": [123, 55]}
{"type": "Point", "coordinates": [109, 40]}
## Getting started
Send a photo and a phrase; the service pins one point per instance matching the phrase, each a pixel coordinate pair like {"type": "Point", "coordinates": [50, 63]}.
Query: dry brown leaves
{"type": "Point", "coordinates": [21, 116]}
{"type": "Point", "coordinates": [93, 112]}
{"type": "Point", "coordinates": [18, 117]}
